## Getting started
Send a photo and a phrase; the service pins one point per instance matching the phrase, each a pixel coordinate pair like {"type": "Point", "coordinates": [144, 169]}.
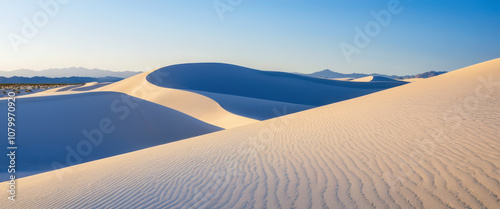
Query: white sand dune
{"type": "Point", "coordinates": [429, 144]}
{"type": "Point", "coordinates": [195, 105]}
{"type": "Point", "coordinates": [52, 91]}
{"type": "Point", "coordinates": [66, 90]}
{"type": "Point", "coordinates": [229, 96]}
{"type": "Point", "coordinates": [254, 108]}
{"type": "Point", "coordinates": [241, 95]}
{"type": "Point", "coordinates": [184, 114]}
{"type": "Point", "coordinates": [91, 86]}
{"type": "Point", "coordinates": [192, 104]}
{"type": "Point", "coordinates": [411, 80]}
{"type": "Point", "coordinates": [374, 79]}
{"type": "Point", "coordinates": [67, 129]}
{"type": "Point", "coordinates": [265, 85]}
{"type": "Point", "coordinates": [342, 79]}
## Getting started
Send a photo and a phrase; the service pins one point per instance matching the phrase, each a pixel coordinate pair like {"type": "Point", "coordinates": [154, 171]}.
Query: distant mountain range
{"type": "Point", "coordinates": [68, 72]}
{"type": "Point", "coordinates": [424, 75]}
{"type": "Point", "coordinates": [84, 75]}
{"type": "Point", "coordinates": [65, 80]}
{"type": "Point", "coordinates": [331, 74]}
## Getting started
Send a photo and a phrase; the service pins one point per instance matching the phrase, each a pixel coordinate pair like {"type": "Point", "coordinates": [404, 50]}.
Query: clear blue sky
{"type": "Point", "coordinates": [285, 35]}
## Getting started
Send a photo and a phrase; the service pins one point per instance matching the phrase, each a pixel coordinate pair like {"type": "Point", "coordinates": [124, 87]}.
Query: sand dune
{"type": "Point", "coordinates": [91, 86]}
{"type": "Point", "coordinates": [229, 96]}
{"type": "Point", "coordinates": [192, 104]}
{"type": "Point", "coordinates": [342, 79]}
{"type": "Point", "coordinates": [91, 101]}
{"type": "Point", "coordinates": [241, 95]}
{"type": "Point", "coordinates": [195, 105]}
{"type": "Point", "coordinates": [133, 124]}
{"type": "Point", "coordinates": [267, 85]}
{"type": "Point", "coordinates": [259, 109]}
{"type": "Point", "coordinates": [375, 79]}
{"type": "Point", "coordinates": [411, 80]}
{"type": "Point", "coordinates": [429, 144]}
{"type": "Point", "coordinates": [66, 90]}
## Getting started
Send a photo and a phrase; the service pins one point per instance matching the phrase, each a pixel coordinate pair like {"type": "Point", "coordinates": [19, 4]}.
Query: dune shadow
{"type": "Point", "coordinates": [60, 131]}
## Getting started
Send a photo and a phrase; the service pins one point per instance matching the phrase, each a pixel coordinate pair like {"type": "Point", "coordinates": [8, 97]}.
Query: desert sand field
{"type": "Point", "coordinates": [430, 144]}
{"type": "Point", "coordinates": [141, 114]}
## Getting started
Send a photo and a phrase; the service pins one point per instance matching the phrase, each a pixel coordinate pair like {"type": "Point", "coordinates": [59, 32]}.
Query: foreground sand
{"type": "Point", "coordinates": [430, 144]}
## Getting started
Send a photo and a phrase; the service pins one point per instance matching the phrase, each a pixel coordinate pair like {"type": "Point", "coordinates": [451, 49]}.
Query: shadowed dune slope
{"type": "Point", "coordinates": [69, 129]}
{"type": "Point", "coordinates": [274, 86]}
{"type": "Point", "coordinates": [429, 144]}
{"type": "Point", "coordinates": [254, 108]}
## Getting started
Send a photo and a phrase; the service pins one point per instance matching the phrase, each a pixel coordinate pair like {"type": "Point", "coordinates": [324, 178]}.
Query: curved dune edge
{"type": "Point", "coordinates": [388, 149]}
{"type": "Point", "coordinates": [195, 105]}
{"type": "Point", "coordinates": [341, 79]}
{"type": "Point", "coordinates": [52, 92]}
{"type": "Point", "coordinates": [375, 79]}
{"type": "Point", "coordinates": [363, 79]}
{"type": "Point", "coordinates": [64, 90]}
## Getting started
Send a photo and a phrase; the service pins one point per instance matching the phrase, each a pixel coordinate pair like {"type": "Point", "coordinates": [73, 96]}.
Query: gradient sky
{"type": "Point", "coordinates": [284, 35]}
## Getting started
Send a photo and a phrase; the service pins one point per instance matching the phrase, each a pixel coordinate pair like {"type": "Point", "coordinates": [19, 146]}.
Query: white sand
{"type": "Point", "coordinates": [67, 129]}
{"type": "Point", "coordinates": [374, 79]}
{"type": "Point", "coordinates": [192, 104]}
{"type": "Point", "coordinates": [66, 90]}
{"type": "Point", "coordinates": [342, 79]}
{"type": "Point", "coordinates": [229, 110]}
{"type": "Point", "coordinates": [411, 80]}
{"type": "Point", "coordinates": [430, 144]}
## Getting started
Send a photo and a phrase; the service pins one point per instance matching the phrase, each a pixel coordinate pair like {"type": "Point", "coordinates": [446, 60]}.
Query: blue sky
{"type": "Point", "coordinates": [285, 35]}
